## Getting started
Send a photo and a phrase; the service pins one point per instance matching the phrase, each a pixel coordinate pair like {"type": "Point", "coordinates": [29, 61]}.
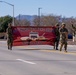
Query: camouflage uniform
{"type": "Point", "coordinates": [74, 33]}
{"type": "Point", "coordinates": [74, 30]}
{"type": "Point", "coordinates": [63, 38]}
{"type": "Point", "coordinates": [57, 33]}
{"type": "Point", "coordinates": [9, 38]}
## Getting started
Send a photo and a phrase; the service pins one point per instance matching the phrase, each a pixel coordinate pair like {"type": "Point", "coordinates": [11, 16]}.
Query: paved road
{"type": "Point", "coordinates": [37, 60]}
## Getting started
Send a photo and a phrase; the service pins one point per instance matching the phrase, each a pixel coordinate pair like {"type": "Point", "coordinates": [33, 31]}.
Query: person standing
{"type": "Point", "coordinates": [9, 36]}
{"type": "Point", "coordinates": [63, 37]}
{"type": "Point", "coordinates": [57, 33]}
{"type": "Point", "coordinates": [74, 32]}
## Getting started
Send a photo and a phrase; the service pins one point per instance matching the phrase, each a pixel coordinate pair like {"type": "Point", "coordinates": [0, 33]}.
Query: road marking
{"type": "Point", "coordinates": [54, 51]}
{"type": "Point", "coordinates": [26, 61]}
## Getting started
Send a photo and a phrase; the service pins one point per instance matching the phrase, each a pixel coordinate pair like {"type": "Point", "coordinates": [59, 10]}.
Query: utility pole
{"type": "Point", "coordinates": [39, 16]}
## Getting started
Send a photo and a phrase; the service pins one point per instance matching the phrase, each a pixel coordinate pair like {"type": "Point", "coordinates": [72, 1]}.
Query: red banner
{"type": "Point", "coordinates": [33, 35]}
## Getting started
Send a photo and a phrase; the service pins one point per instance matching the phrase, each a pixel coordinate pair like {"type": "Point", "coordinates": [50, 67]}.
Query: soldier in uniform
{"type": "Point", "coordinates": [63, 37]}
{"type": "Point", "coordinates": [74, 32]}
{"type": "Point", "coordinates": [9, 36]}
{"type": "Point", "coordinates": [57, 33]}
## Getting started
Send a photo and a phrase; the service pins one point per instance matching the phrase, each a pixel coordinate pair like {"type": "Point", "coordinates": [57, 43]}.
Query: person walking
{"type": "Point", "coordinates": [9, 36]}
{"type": "Point", "coordinates": [74, 32]}
{"type": "Point", "coordinates": [57, 33]}
{"type": "Point", "coordinates": [63, 37]}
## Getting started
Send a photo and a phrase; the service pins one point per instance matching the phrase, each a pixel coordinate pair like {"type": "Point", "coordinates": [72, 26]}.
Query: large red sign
{"type": "Point", "coordinates": [33, 35]}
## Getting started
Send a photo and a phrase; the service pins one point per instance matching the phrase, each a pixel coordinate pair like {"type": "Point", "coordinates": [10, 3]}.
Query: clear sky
{"type": "Point", "coordinates": [65, 8]}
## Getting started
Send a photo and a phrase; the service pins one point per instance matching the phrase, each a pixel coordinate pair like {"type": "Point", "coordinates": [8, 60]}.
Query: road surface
{"type": "Point", "coordinates": [37, 60]}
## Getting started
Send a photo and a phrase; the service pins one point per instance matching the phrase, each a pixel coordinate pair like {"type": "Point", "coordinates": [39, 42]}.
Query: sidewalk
{"type": "Point", "coordinates": [71, 43]}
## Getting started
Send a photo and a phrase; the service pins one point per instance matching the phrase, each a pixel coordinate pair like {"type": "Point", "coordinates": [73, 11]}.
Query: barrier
{"type": "Point", "coordinates": [33, 35]}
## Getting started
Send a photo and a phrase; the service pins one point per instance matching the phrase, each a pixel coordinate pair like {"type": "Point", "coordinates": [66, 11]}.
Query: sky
{"type": "Point", "coordinates": [65, 8]}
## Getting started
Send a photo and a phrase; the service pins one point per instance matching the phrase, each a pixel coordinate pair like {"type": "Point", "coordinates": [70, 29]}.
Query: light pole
{"type": "Point", "coordinates": [39, 16]}
{"type": "Point", "coordinates": [13, 9]}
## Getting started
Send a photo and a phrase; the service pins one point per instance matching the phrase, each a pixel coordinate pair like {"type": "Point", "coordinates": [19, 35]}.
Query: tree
{"type": "Point", "coordinates": [36, 21]}
{"type": "Point", "coordinates": [4, 22]}
{"type": "Point", "coordinates": [49, 20]}
{"type": "Point", "coordinates": [23, 22]}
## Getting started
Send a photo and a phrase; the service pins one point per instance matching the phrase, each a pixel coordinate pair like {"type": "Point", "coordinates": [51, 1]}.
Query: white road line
{"type": "Point", "coordinates": [26, 61]}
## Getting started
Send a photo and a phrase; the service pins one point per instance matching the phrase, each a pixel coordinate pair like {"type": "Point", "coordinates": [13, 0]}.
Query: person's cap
{"type": "Point", "coordinates": [57, 24]}
{"type": "Point", "coordinates": [63, 24]}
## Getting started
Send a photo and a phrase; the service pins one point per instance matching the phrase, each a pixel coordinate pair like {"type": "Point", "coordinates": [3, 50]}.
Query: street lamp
{"type": "Point", "coordinates": [39, 15]}
{"type": "Point", "coordinates": [13, 9]}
